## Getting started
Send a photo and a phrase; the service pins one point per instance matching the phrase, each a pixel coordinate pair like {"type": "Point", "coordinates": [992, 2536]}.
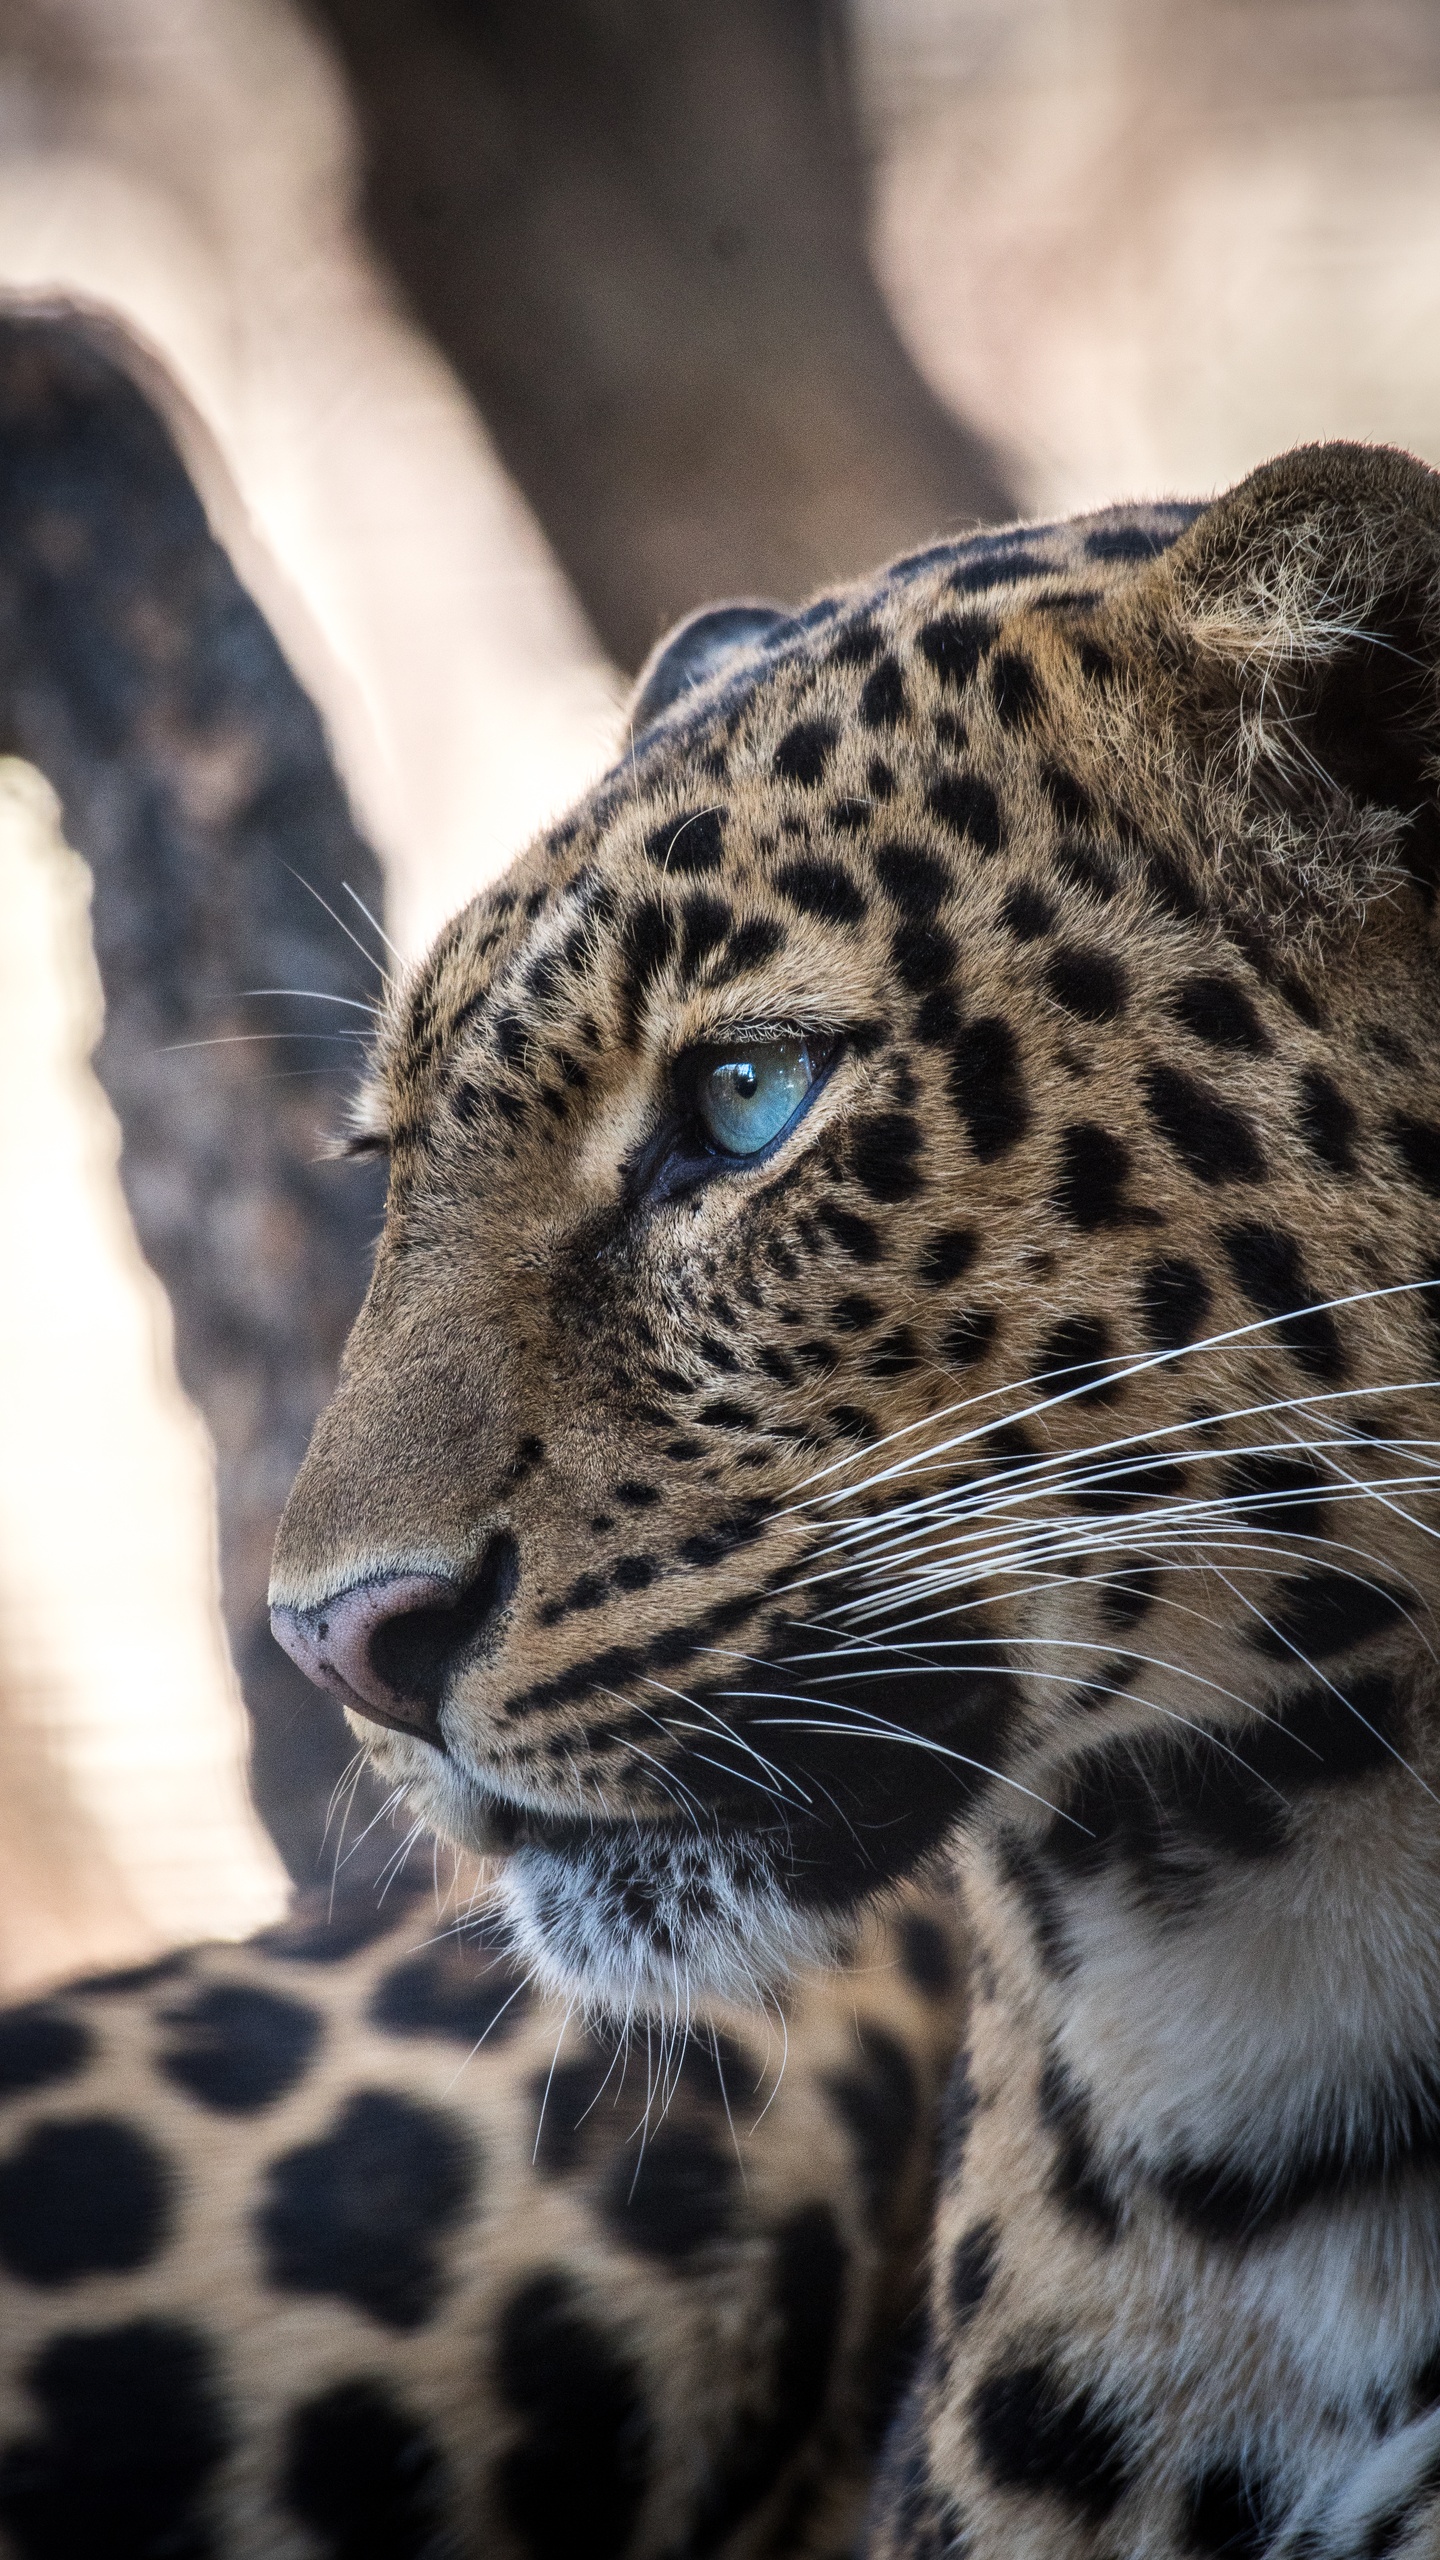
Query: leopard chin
{"type": "Point", "coordinates": [643, 1923]}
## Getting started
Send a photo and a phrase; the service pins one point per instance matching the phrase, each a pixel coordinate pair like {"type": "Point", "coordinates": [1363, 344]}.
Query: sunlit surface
{"type": "Point", "coordinates": [1148, 243]}
{"type": "Point", "coordinates": [187, 165]}
{"type": "Point", "coordinates": [124, 1822]}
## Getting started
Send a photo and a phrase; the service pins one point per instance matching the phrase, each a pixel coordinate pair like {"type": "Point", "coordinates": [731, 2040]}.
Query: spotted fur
{"type": "Point", "coordinates": [343, 2245]}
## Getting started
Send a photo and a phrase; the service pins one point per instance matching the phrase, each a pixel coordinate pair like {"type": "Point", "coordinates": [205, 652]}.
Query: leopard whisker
{"type": "Point", "coordinates": [1050, 1465]}
{"type": "Point", "coordinates": [374, 923]}
{"type": "Point", "coordinates": [367, 956]}
{"type": "Point", "coordinates": [316, 995]}
{"type": "Point", "coordinates": [922, 1742]}
{"type": "Point", "coordinates": [1316, 1674]}
{"type": "Point", "coordinates": [1116, 1376]}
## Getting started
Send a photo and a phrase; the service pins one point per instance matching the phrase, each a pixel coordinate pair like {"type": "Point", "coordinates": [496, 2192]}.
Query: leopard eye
{"type": "Point", "coordinates": [746, 1094]}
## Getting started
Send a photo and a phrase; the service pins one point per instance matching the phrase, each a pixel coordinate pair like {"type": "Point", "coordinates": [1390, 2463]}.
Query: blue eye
{"type": "Point", "coordinates": [747, 1094]}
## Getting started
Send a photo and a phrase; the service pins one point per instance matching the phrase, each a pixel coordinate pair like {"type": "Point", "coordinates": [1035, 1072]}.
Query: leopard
{"type": "Point", "coordinates": [900, 1363]}
{"type": "Point", "coordinates": [903, 1344]}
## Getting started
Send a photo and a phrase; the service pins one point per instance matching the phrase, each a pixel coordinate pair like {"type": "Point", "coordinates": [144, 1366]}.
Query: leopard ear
{"type": "Point", "coordinates": [698, 648]}
{"type": "Point", "coordinates": [1300, 626]}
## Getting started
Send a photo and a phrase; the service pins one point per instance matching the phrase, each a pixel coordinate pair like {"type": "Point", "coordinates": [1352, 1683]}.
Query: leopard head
{"type": "Point", "coordinates": [909, 1229]}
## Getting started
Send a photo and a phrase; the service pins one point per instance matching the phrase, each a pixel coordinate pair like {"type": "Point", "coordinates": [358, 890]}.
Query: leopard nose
{"type": "Point", "coordinates": [387, 1647]}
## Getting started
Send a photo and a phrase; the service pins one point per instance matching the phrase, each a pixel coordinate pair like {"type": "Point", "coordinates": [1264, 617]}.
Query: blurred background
{"type": "Point", "coordinates": [376, 383]}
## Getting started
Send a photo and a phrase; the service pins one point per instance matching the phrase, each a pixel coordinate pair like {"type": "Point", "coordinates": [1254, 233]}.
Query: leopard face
{"type": "Point", "coordinates": [907, 1211]}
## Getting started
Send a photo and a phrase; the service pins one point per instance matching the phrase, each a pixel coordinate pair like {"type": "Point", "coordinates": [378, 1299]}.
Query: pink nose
{"type": "Point", "coordinates": [380, 1647]}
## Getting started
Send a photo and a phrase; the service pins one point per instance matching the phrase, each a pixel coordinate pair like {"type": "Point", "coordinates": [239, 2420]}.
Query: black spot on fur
{"type": "Point", "coordinates": [577, 2479]}
{"type": "Point", "coordinates": [860, 646]}
{"type": "Point", "coordinates": [879, 2104]}
{"type": "Point", "coordinates": [1173, 886]}
{"type": "Point", "coordinates": [858, 1237]}
{"type": "Point", "coordinates": [705, 921]}
{"type": "Point", "coordinates": [1087, 982]}
{"type": "Point", "coordinates": [882, 700]}
{"type": "Point", "coordinates": [1096, 663]}
{"type": "Point", "coordinates": [455, 1990]}
{"type": "Point", "coordinates": [968, 1336]}
{"type": "Point", "coordinates": [1090, 1183]}
{"type": "Point", "coordinates": [1218, 1009]}
{"type": "Point", "coordinates": [1216, 1142]}
{"type": "Point", "coordinates": [854, 1313]}
{"type": "Point", "coordinates": [805, 750]}
{"type": "Point", "coordinates": [1326, 1121]}
{"type": "Point", "coordinates": [987, 1087]}
{"type": "Point", "coordinates": [883, 1147]}
{"type": "Point", "coordinates": [694, 842]}
{"type": "Point", "coordinates": [966, 803]}
{"type": "Point", "coordinates": [1027, 912]}
{"type": "Point", "coordinates": [364, 2213]}
{"type": "Point", "coordinates": [681, 2199]}
{"type": "Point", "coordinates": [937, 1020]}
{"type": "Point", "coordinates": [823, 889]}
{"type": "Point", "coordinates": [1419, 1145]}
{"type": "Point", "coordinates": [1174, 1302]}
{"type": "Point", "coordinates": [364, 2475]}
{"type": "Point", "coordinates": [1284, 1494]}
{"type": "Point", "coordinates": [912, 879]}
{"type": "Point", "coordinates": [133, 2428]}
{"type": "Point", "coordinates": [635, 1573]}
{"type": "Point", "coordinates": [40, 2045]}
{"type": "Point", "coordinates": [1126, 542]}
{"type": "Point", "coordinates": [647, 942]}
{"type": "Point", "coordinates": [1161, 1805]}
{"type": "Point", "coordinates": [1015, 689]}
{"type": "Point", "coordinates": [749, 947]}
{"type": "Point", "coordinates": [1317, 1614]}
{"type": "Point", "coordinates": [957, 2112]}
{"type": "Point", "coordinates": [237, 2048]}
{"type": "Point", "coordinates": [927, 1960]}
{"type": "Point", "coordinates": [1085, 867]}
{"type": "Point", "coordinates": [1074, 1358]}
{"type": "Point", "coordinates": [1037, 2433]}
{"type": "Point", "coordinates": [948, 1255]}
{"type": "Point", "coordinates": [1068, 797]}
{"type": "Point", "coordinates": [924, 955]}
{"type": "Point", "coordinates": [973, 2262]}
{"type": "Point", "coordinates": [996, 564]}
{"type": "Point", "coordinates": [87, 2196]}
{"type": "Point", "coordinates": [955, 643]}
{"type": "Point", "coordinates": [1077, 2181]}
{"type": "Point", "coordinates": [854, 1423]}
{"type": "Point", "coordinates": [1269, 1271]}
{"type": "Point", "coordinates": [807, 2294]}
{"type": "Point", "coordinates": [1224, 2511]}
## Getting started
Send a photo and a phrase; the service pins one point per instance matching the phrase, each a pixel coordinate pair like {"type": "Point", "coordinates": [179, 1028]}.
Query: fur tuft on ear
{"type": "Point", "coordinates": [698, 648]}
{"type": "Point", "coordinates": [1299, 624]}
